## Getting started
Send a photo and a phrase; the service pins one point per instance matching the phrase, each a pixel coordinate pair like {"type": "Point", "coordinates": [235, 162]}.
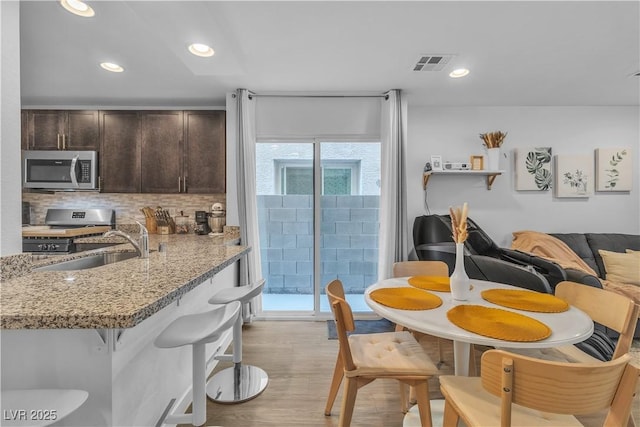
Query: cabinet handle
{"type": "Point", "coordinates": [184, 185]}
{"type": "Point", "coordinates": [99, 184]}
{"type": "Point", "coordinates": [179, 184]}
{"type": "Point", "coordinates": [64, 141]}
{"type": "Point", "coordinates": [58, 141]}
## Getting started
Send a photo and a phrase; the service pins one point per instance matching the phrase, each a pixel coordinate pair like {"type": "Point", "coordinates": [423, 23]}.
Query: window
{"type": "Point", "coordinates": [339, 177]}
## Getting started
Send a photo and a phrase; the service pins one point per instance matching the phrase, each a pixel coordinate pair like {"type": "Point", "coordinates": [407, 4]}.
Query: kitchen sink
{"type": "Point", "coordinates": [88, 262]}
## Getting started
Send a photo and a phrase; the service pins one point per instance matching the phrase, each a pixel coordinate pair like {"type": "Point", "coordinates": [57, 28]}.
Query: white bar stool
{"type": "Point", "coordinates": [39, 407]}
{"type": "Point", "coordinates": [241, 382]}
{"type": "Point", "coordinates": [197, 330]}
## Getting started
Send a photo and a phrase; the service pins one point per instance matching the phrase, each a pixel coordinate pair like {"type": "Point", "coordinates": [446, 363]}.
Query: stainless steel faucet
{"type": "Point", "coordinates": [141, 246]}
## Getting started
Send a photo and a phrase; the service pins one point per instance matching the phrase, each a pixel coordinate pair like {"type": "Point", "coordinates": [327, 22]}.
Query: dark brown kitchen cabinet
{"type": "Point", "coordinates": [205, 151]}
{"type": "Point", "coordinates": [120, 137]}
{"type": "Point", "coordinates": [24, 130]}
{"type": "Point", "coordinates": [162, 152]}
{"type": "Point", "coordinates": [61, 130]}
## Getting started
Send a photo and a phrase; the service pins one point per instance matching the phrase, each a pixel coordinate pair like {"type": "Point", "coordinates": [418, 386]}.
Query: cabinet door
{"type": "Point", "coordinates": [161, 154]}
{"type": "Point", "coordinates": [120, 151]}
{"type": "Point", "coordinates": [82, 131]}
{"type": "Point", "coordinates": [46, 128]}
{"type": "Point", "coordinates": [205, 146]}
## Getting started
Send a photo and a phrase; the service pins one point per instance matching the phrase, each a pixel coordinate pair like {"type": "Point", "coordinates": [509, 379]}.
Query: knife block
{"type": "Point", "coordinates": [151, 225]}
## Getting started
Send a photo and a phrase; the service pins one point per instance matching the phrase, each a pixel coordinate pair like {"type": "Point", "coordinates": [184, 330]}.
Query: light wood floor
{"type": "Point", "coordinates": [299, 360]}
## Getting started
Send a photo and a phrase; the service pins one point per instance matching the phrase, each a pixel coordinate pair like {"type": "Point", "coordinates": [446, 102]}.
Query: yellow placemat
{"type": "Point", "coordinates": [406, 298]}
{"type": "Point", "coordinates": [431, 283]}
{"type": "Point", "coordinates": [498, 323]}
{"type": "Point", "coordinates": [525, 300]}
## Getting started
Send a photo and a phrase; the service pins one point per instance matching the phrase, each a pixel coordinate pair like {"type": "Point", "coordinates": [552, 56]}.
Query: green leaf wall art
{"type": "Point", "coordinates": [533, 169]}
{"type": "Point", "coordinates": [613, 169]}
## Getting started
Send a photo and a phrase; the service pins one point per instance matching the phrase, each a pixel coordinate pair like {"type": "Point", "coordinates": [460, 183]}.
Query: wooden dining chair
{"type": "Point", "coordinates": [419, 268]}
{"type": "Point", "coordinates": [367, 357]}
{"type": "Point", "coordinates": [615, 311]}
{"type": "Point", "coordinates": [516, 390]}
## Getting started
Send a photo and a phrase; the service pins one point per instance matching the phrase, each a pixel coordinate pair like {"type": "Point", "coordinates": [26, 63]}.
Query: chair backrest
{"type": "Point", "coordinates": [610, 309]}
{"type": "Point", "coordinates": [420, 268]}
{"type": "Point", "coordinates": [344, 320]}
{"type": "Point", "coordinates": [560, 388]}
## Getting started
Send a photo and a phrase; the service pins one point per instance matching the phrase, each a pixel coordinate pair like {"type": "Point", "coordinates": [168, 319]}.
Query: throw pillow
{"type": "Point", "coordinates": [621, 267]}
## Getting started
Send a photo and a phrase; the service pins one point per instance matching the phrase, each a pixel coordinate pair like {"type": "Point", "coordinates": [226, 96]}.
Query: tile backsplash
{"type": "Point", "coordinates": [126, 205]}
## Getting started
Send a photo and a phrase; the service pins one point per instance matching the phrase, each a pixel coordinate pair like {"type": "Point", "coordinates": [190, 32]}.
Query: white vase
{"type": "Point", "coordinates": [459, 281]}
{"type": "Point", "coordinates": [493, 159]}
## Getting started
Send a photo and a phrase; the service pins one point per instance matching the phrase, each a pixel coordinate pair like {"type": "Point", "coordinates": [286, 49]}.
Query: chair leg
{"type": "Point", "coordinates": [424, 406]}
{"type": "Point", "coordinates": [338, 373]}
{"type": "Point", "coordinates": [199, 406]}
{"type": "Point", "coordinates": [440, 351]}
{"type": "Point", "coordinates": [451, 417]}
{"type": "Point", "coordinates": [404, 403]}
{"type": "Point", "coordinates": [348, 401]}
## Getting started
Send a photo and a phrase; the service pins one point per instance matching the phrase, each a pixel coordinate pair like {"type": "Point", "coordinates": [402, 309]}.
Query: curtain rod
{"type": "Point", "coordinates": [251, 95]}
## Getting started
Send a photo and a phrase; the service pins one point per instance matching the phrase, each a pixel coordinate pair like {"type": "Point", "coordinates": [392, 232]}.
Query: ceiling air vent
{"type": "Point", "coordinates": [432, 62]}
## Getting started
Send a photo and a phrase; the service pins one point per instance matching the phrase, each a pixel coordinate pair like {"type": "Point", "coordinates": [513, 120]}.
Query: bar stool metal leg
{"type": "Point", "coordinates": [240, 382]}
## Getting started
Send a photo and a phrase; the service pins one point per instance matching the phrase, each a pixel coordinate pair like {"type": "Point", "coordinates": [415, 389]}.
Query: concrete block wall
{"type": "Point", "coordinates": [348, 247]}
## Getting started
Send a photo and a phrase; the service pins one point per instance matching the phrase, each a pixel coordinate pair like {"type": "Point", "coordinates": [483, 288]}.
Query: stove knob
{"type": "Point", "coordinates": [53, 246]}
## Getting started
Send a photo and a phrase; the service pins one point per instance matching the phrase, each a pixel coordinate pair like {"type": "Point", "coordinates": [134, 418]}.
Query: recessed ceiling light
{"type": "Point", "coordinates": [110, 66]}
{"type": "Point", "coordinates": [200, 49]}
{"type": "Point", "coordinates": [78, 7]}
{"type": "Point", "coordinates": [458, 72]}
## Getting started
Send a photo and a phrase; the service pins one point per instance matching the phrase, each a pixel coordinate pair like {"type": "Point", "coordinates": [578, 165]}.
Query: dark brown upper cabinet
{"type": "Point", "coordinates": [205, 151]}
{"type": "Point", "coordinates": [61, 130]}
{"type": "Point", "coordinates": [139, 151]}
{"type": "Point", "coordinates": [162, 152]}
{"type": "Point", "coordinates": [120, 136]}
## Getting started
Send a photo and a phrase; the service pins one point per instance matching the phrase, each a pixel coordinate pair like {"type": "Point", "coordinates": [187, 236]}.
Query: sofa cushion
{"type": "Point", "coordinates": [579, 244]}
{"type": "Point", "coordinates": [622, 267]}
{"type": "Point", "coordinates": [610, 242]}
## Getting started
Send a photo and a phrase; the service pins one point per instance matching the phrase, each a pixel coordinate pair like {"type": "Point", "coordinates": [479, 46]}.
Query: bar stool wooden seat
{"type": "Point", "coordinates": [197, 330]}
{"type": "Point", "coordinates": [238, 383]}
{"type": "Point", "coordinates": [39, 407]}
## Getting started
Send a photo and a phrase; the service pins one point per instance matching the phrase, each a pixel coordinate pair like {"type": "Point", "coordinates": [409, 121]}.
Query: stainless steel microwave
{"type": "Point", "coordinates": [60, 170]}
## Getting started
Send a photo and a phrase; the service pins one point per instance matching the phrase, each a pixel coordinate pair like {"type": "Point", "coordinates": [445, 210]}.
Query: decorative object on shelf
{"type": "Point", "coordinates": [533, 168]}
{"type": "Point", "coordinates": [477, 163]}
{"type": "Point", "coordinates": [613, 169]}
{"type": "Point", "coordinates": [574, 176]}
{"type": "Point", "coordinates": [436, 163]}
{"type": "Point", "coordinates": [492, 142]}
{"type": "Point", "coordinates": [459, 281]}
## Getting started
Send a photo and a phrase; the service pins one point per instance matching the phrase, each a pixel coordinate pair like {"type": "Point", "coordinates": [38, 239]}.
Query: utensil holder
{"type": "Point", "coordinates": [152, 225]}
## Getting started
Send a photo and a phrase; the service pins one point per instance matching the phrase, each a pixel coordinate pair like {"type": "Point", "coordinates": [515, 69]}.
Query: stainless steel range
{"type": "Point", "coordinates": [62, 226]}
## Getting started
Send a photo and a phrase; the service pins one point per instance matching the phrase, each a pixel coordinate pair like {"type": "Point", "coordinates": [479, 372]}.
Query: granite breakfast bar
{"type": "Point", "coordinates": [93, 329]}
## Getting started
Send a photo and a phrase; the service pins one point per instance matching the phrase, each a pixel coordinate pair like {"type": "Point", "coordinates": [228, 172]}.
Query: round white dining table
{"type": "Point", "coordinates": [568, 327]}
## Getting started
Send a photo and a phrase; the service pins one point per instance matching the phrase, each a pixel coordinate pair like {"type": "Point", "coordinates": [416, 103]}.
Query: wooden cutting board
{"type": "Point", "coordinates": [46, 231]}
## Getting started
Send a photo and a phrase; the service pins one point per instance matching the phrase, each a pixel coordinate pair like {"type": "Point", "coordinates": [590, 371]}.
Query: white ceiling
{"type": "Point", "coordinates": [519, 53]}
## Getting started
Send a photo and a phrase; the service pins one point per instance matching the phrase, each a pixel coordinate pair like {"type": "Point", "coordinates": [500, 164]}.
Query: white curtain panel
{"type": "Point", "coordinates": [393, 240]}
{"type": "Point", "coordinates": [250, 268]}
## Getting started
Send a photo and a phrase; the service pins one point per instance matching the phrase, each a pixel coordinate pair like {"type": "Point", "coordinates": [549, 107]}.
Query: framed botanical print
{"type": "Point", "coordinates": [574, 176]}
{"type": "Point", "coordinates": [613, 169]}
{"type": "Point", "coordinates": [533, 168]}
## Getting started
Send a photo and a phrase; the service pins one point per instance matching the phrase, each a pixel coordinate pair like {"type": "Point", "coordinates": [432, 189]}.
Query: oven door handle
{"type": "Point", "coordinates": [72, 172]}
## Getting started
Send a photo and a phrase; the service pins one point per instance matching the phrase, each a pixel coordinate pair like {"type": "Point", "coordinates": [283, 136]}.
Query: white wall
{"type": "Point", "coordinates": [453, 133]}
{"type": "Point", "coordinates": [10, 192]}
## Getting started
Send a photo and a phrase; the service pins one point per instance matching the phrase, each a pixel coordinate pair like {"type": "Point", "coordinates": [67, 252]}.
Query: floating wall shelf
{"type": "Point", "coordinates": [491, 175]}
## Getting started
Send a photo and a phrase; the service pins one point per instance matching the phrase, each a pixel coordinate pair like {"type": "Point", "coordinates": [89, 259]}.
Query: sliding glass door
{"type": "Point", "coordinates": [318, 206]}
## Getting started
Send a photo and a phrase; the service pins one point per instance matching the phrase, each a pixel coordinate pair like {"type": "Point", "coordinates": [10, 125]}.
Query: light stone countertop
{"type": "Point", "coordinates": [118, 295]}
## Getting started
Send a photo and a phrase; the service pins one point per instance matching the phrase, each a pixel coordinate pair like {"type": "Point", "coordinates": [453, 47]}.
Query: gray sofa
{"type": "Point", "coordinates": [586, 246]}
